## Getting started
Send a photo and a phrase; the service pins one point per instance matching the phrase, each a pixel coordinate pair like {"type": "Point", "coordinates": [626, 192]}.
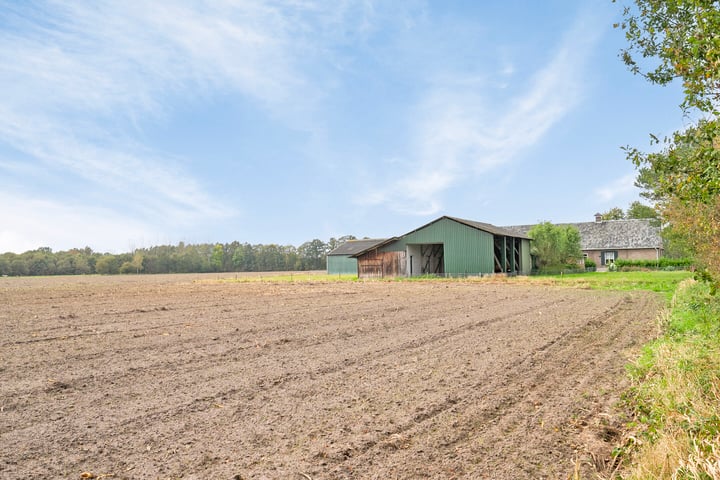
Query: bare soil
{"type": "Point", "coordinates": [187, 377]}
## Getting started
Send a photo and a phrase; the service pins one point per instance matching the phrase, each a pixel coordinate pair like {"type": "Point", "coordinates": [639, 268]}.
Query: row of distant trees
{"type": "Point", "coordinates": [181, 258]}
{"type": "Point", "coordinates": [635, 210]}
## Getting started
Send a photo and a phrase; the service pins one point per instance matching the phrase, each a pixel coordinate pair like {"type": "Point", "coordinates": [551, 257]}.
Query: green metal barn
{"type": "Point", "coordinates": [448, 246]}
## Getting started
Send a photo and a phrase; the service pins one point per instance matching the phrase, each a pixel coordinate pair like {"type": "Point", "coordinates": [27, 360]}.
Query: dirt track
{"type": "Point", "coordinates": [167, 377]}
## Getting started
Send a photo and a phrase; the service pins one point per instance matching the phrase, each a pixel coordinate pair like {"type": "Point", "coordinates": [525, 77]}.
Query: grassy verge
{"type": "Point", "coordinates": [654, 281]}
{"type": "Point", "coordinates": [287, 277]}
{"type": "Point", "coordinates": [676, 394]}
{"type": "Point", "coordinates": [662, 282]}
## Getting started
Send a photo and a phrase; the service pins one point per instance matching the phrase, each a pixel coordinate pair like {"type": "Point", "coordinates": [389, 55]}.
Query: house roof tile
{"type": "Point", "coordinates": [610, 234]}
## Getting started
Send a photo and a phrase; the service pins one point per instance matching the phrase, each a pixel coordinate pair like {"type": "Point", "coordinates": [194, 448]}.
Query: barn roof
{"type": "Point", "coordinates": [611, 234]}
{"type": "Point", "coordinates": [485, 227]}
{"type": "Point", "coordinates": [355, 248]}
{"type": "Point", "coordinates": [352, 247]}
{"type": "Point", "coordinates": [499, 231]}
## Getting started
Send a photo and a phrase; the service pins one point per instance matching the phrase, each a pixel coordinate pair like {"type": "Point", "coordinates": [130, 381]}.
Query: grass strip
{"type": "Point", "coordinates": [654, 281]}
{"type": "Point", "coordinates": [284, 277]}
{"type": "Point", "coordinates": [675, 398]}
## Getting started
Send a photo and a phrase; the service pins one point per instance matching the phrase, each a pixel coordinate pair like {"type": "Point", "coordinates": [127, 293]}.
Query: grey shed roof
{"type": "Point", "coordinates": [352, 247]}
{"type": "Point", "coordinates": [611, 234]}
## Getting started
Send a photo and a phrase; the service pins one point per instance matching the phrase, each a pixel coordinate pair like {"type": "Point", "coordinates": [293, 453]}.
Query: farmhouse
{"type": "Point", "coordinates": [604, 241]}
{"type": "Point", "coordinates": [341, 261]}
{"type": "Point", "coordinates": [447, 246]}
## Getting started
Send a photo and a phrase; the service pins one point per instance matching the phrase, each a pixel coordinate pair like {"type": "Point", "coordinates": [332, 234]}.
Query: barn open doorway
{"type": "Point", "coordinates": [426, 259]}
{"type": "Point", "coordinates": [507, 254]}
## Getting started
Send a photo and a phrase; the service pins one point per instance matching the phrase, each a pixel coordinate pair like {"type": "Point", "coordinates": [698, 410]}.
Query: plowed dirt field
{"type": "Point", "coordinates": [159, 377]}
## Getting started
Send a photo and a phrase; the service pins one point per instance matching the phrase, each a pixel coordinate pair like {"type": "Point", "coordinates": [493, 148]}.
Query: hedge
{"type": "Point", "coordinates": [661, 263]}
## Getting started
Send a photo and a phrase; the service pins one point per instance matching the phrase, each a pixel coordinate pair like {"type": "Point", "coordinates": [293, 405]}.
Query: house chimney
{"type": "Point", "coordinates": [598, 217]}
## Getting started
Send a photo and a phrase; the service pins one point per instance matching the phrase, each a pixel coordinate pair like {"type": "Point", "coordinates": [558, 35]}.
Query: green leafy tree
{"type": "Point", "coordinates": [677, 243]}
{"type": "Point", "coordinates": [639, 210]}
{"type": "Point", "coordinates": [126, 267]}
{"type": "Point", "coordinates": [72, 262]}
{"type": "Point", "coordinates": [292, 259]}
{"type": "Point", "coordinates": [133, 266]}
{"type": "Point", "coordinates": [19, 267]}
{"type": "Point", "coordinates": [554, 245]}
{"type": "Point", "coordinates": [244, 258]}
{"type": "Point", "coordinates": [188, 260]}
{"type": "Point", "coordinates": [82, 265]}
{"type": "Point", "coordinates": [40, 261]}
{"type": "Point", "coordinates": [106, 265]}
{"type": "Point", "coordinates": [312, 255]}
{"type": "Point", "coordinates": [4, 265]}
{"type": "Point", "coordinates": [615, 213]}
{"type": "Point", "coordinates": [217, 257]}
{"type": "Point", "coordinates": [681, 37]}
{"type": "Point", "coordinates": [270, 258]}
{"type": "Point", "coordinates": [137, 262]}
{"type": "Point", "coordinates": [686, 168]}
{"type": "Point", "coordinates": [678, 39]}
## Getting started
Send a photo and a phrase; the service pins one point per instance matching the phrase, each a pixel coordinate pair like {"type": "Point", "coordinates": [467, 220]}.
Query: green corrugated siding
{"type": "Point", "coordinates": [526, 259]}
{"type": "Point", "coordinates": [341, 265]}
{"type": "Point", "coordinates": [467, 250]}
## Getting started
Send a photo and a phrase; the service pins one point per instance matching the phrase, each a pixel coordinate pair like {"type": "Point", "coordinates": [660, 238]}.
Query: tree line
{"type": "Point", "coordinates": [636, 210]}
{"type": "Point", "coordinates": [180, 258]}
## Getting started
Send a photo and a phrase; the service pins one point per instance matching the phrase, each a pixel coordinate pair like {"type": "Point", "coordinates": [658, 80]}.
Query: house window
{"type": "Point", "coordinates": [609, 258]}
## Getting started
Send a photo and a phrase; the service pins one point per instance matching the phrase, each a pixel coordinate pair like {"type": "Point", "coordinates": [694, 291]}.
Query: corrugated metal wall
{"type": "Point", "coordinates": [526, 259]}
{"type": "Point", "coordinates": [341, 265]}
{"type": "Point", "coordinates": [467, 250]}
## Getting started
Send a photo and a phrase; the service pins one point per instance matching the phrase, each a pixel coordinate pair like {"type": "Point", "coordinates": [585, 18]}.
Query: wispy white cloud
{"type": "Point", "coordinates": [461, 131]}
{"type": "Point", "coordinates": [123, 58]}
{"type": "Point", "coordinates": [82, 80]}
{"type": "Point", "coordinates": [29, 223]}
{"type": "Point", "coordinates": [140, 181]}
{"type": "Point", "coordinates": [75, 73]}
{"type": "Point", "coordinates": [619, 188]}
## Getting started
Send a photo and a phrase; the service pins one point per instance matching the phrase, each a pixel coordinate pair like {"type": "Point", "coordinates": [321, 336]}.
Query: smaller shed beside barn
{"type": "Point", "coordinates": [342, 260]}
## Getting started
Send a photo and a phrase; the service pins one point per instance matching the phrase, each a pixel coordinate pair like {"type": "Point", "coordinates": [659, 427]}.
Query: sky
{"type": "Point", "coordinates": [126, 125]}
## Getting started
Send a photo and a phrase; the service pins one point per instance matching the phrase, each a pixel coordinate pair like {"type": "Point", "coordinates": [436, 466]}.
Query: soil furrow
{"type": "Point", "coordinates": [363, 380]}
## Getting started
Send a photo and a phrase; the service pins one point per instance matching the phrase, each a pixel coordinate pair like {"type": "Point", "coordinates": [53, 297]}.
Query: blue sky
{"type": "Point", "coordinates": [132, 124]}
